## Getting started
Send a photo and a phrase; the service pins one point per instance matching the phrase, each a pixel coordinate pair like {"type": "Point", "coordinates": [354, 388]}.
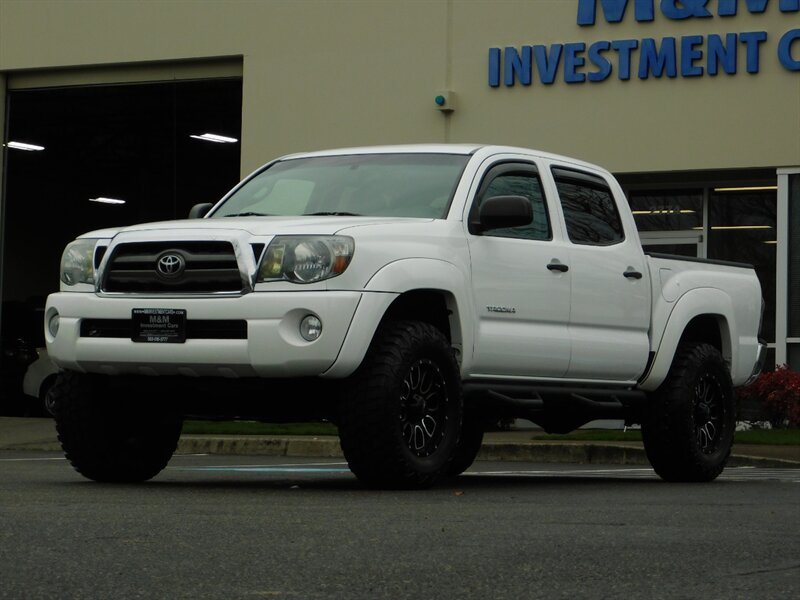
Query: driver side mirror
{"type": "Point", "coordinates": [200, 210]}
{"type": "Point", "coordinates": [499, 212]}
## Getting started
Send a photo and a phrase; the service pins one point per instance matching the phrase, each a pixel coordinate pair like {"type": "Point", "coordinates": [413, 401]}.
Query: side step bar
{"type": "Point", "coordinates": [555, 408]}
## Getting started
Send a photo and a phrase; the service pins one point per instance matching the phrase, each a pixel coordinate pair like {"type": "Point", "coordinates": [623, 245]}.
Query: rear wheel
{"type": "Point", "coordinates": [688, 431]}
{"type": "Point", "coordinates": [400, 415]}
{"type": "Point", "coordinates": [111, 435]}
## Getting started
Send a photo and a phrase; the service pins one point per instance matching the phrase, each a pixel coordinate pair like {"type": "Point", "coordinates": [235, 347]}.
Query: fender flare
{"type": "Point", "coordinates": [698, 302]}
{"type": "Point", "coordinates": [389, 283]}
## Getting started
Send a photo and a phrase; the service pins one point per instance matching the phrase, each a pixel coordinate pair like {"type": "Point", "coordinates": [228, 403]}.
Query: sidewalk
{"type": "Point", "coordinates": [40, 434]}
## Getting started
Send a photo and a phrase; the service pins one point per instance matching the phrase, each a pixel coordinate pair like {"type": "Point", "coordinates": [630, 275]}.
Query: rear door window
{"type": "Point", "coordinates": [590, 211]}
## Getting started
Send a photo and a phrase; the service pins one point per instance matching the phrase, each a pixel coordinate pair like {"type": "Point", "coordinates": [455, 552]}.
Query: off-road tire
{"type": "Point", "coordinates": [110, 435]}
{"type": "Point", "coordinates": [469, 444]}
{"type": "Point", "coordinates": [689, 425]}
{"type": "Point", "coordinates": [400, 413]}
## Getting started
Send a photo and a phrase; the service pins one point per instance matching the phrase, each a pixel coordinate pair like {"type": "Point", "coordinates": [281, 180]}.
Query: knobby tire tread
{"type": "Point", "coordinates": [105, 443]}
{"type": "Point", "coordinates": [367, 426]}
{"type": "Point", "coordinates": [669, 429]}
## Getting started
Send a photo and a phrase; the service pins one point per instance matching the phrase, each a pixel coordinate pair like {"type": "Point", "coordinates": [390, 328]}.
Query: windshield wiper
{"type": "Point", "coordinates": [332, 214]}
{"type": "Point", "coordinates": [249, 214]}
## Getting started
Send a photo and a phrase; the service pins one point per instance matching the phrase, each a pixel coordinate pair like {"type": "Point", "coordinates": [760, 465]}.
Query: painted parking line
{"type": "Point", "coordinates": [325, 467]}
{"type": "Point", "coordinates": [31, 459]}
{"type": "Point", "coordinates": [299, 469]}
{"type": "Point", "coordinates": [560, 472]}
{"type": "Point", "coordinates": [785, 475]}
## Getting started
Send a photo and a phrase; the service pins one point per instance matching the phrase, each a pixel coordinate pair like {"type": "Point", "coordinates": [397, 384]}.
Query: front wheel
{"type": "Point", "coordinates": [469, 444]}
{"type": "Point", "coordinates": [688, 430]}
{"type": "Point", "coordinates": [400, 415]}
{"type": "Point", "coordinates": [110, 434]}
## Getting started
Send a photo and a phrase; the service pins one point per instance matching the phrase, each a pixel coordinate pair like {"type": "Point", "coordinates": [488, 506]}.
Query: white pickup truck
{"type": "Point", "coordinates": [409, 294]}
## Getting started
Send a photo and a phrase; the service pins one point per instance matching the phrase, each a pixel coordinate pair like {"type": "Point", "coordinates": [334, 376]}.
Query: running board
{"type": "Point", "coordinates": [556, 409]}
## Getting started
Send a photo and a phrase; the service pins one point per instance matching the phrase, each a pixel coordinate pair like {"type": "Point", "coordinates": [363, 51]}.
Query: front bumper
{"type": "Point", "coordinates": [272, 347]}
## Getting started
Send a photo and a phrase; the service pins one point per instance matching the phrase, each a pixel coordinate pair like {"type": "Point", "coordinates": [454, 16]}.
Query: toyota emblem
{"type": "Point", "coordinates": [170, 265]}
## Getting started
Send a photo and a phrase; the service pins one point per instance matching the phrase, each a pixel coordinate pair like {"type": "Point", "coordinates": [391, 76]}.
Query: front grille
{"type": "Point", "coordinates": [186, 267]}
{"type": "Point", "coordinates": [196, 329]}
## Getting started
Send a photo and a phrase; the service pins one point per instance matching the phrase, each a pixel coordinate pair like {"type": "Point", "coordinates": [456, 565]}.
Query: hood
{"type": "Point", "coordinates": [256, 226]}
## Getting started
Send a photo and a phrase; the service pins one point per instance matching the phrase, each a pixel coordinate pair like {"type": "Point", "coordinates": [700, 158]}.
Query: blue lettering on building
{"type": "Point", "coordinates": [687, 56]}
{"type": "Point", "coordinates": [722, 54]}
{"type": "Point", "coordinates": [644, 10]}
{"type": "Point", "coordinates": [789, 50]}
{"type": "Point", "coordinates": [658, 60]}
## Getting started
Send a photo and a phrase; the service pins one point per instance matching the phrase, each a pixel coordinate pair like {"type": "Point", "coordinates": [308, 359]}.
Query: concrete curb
{"type": "Point", "coordinates": [564, 452]}
{"type": "Point", "coordinates": [328, 447]}
{"type": "Point", "coordinates": [294, 446]}
{"type": "Point", "coordinates": [541, 452]}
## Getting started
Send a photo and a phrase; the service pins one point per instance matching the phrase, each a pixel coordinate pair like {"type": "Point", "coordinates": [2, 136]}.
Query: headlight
{"type": "Point", "coordinates": [306, 259]}
{"type": "Point", "coordinates": [77, 262]}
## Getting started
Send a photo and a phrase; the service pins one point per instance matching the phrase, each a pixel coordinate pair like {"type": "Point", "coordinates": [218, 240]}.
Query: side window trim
{"type": "Point", "coordinates": [580, 178]}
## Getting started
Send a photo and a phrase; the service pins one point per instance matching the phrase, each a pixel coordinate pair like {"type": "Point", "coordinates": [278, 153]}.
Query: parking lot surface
{"type": "Point", "coordinates": [262, 527]}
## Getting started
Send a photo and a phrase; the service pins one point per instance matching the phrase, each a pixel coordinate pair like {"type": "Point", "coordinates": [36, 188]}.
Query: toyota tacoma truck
{"type": "Point", "coordinates": [410, 295]}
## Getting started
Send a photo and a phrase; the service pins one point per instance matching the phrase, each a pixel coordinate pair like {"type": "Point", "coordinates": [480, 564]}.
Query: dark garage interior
{"type": "Point", "coordinates": [74, 155]}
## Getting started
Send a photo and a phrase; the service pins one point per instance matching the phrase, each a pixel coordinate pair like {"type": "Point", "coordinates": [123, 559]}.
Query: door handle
{"type": "Point", "coordinates": [632, 274]}
{"type": "Point", "coordinates": [558, 267]}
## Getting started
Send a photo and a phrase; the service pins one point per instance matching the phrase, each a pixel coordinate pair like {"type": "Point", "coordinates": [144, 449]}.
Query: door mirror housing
{"type": "Point", "coordinates": [499, 212]}
{"type": "Point", "coordinates": [200, 210]}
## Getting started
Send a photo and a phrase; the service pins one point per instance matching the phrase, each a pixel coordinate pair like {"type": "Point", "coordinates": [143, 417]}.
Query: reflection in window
{"type": "Point", "coordinates": [527, 185]}
{"type": "Point", "coordinates": [667, 210]}
{"type": "Point", "coordinates": [395, 185]}
{"type": "Point", "coordinates": [590, 213]}
{"type": "Point", "coordinates": [742, 228]}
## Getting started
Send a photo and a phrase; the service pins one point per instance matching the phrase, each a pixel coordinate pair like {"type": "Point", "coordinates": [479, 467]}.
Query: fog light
{"type": "Point", "coordinates": [310, 328]}
{"type": "Point", "coordinates": [52, 324]}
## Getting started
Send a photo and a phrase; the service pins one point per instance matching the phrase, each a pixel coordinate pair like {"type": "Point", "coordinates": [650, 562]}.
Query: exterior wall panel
{"type": "Point", "coordinates": [320, 74]}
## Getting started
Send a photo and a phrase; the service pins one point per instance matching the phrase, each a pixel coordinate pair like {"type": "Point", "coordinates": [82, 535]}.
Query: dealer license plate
{"type": "Point", "coordinates": [159, 325]}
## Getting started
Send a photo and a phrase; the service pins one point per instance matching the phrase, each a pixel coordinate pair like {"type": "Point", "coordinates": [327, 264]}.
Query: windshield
{"type": "Point", "coordinates": [392, 185]}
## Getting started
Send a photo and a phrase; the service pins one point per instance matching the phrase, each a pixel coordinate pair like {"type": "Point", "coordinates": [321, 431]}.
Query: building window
{"type": "Point", "coordinates": [669, 221]}
{"type": "Point", "coordinates": [793, 300]}
{"type": "Point", "coordinates": [743, 227]}
{"type": "Point", "coordinates": [667, 210]}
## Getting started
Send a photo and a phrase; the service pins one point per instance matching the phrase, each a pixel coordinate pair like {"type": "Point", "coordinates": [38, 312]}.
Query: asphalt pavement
{"type": "Point", "coordinates": [515, 445]}
{"type": "Point", "coordinates": [228, 527]}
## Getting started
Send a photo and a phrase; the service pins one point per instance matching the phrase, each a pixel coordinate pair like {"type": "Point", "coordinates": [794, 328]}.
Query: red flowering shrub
{"type": "Point", "coordinates": [779, 392]}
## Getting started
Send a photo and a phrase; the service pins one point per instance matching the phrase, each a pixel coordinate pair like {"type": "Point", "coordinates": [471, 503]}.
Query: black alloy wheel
{"type": "Point", "coordinates": [709, 413]}
{"type": "Point", "coordinates": [423, 404]}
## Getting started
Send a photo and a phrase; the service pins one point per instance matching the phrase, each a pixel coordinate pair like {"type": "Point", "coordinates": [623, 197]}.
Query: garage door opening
{"type": "Point", "coordinates": [86, 158]}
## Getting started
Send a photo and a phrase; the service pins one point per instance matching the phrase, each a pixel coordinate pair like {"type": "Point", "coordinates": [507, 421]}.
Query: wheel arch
{"type": "Point", "coordinates": [434, 306]}
{"type": "Point", "coordinates": [701, 315]}
{"type": "Point", "coordinates": [46, 384]}
{"type": "Point", "coordinates": [416, 289]}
